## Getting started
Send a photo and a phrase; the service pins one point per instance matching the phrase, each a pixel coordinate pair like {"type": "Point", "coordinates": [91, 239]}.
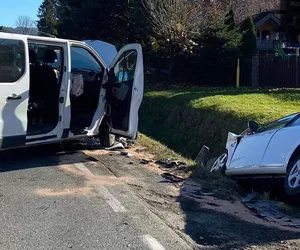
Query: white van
{"type": "Point", "coordinates": [54, 89]}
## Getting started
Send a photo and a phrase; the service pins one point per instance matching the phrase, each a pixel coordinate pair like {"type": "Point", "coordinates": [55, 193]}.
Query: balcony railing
{"type": "Point", "coordinates": [264, 44]}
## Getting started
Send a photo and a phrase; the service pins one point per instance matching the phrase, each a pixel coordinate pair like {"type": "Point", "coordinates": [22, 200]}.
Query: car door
{"type": "Point", "coordinates": [14, 89]}
{"type": "Point", "coordinates": [282, 146]}
{"type": "Point", "coordinates": [125, 90]}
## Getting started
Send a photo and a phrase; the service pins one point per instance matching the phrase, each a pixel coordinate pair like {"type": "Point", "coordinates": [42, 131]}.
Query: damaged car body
{"type": "Point", "coordinates": [272, 150]}
{"type": "Point", "coordinates": [56, 89]}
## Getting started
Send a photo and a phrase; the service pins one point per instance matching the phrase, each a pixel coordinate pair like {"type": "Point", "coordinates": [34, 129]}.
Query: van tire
{"type": "Point", "coordinates": [106, 138]}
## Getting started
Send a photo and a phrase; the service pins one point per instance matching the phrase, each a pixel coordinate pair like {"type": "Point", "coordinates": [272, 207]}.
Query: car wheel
{"type": "Point", "coordinates": [292, 179]}
{"type": "Point", "coordinates": [219, 164]}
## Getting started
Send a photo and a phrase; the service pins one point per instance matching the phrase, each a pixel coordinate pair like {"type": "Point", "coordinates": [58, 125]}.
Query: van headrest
{"type": "Point", "coordinates": [50, 56]}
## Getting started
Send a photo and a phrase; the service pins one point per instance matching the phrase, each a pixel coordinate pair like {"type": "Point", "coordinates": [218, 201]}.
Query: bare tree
{"type": "Point", "coordinates": [246, 8]}
{"type": "Point", "coordinates": [175, 23]}
{"type": "Point", "coordinates": [25, 25]}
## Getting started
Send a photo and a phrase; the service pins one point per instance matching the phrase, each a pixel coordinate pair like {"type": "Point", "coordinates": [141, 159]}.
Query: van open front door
{"type": "Point", "coordinates": [125, 89]}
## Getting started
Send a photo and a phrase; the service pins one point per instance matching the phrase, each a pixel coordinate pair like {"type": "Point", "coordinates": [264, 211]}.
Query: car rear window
{"type": "Point", "coordinates": [12, 60]}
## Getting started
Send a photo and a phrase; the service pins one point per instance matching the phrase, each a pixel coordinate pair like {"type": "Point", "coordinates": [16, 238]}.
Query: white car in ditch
{"type": "Point", "coordinates": [55, 89]}
{"type": "Point", "coordinates": [272, 150]}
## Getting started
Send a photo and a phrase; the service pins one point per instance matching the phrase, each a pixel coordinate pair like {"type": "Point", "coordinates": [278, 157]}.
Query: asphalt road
{"type": "Point", "coordinates": [84, 198]}
{"type": "Point", "coordinates": [72, 200]}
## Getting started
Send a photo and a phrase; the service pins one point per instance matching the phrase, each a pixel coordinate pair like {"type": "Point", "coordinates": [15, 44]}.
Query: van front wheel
{"type": "Point", "coordinates": [106, 138]}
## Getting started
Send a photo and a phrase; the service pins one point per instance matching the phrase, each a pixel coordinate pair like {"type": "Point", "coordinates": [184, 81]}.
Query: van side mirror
{"type": "Point", "coordinates": [253, 126]}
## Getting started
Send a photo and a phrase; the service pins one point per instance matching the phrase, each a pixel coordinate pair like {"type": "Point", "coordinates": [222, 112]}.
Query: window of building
{"type": "Point", "coordinates": [265, 34]}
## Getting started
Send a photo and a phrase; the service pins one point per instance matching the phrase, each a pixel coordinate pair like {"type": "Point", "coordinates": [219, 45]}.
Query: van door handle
{"type": "Point", "coordinates": [14, 97]}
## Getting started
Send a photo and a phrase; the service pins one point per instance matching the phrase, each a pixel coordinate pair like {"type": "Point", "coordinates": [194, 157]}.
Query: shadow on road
{"type": "Point", "coordinates": [43, 156]}
{"type": "Point", "coordinates": [223, 224]}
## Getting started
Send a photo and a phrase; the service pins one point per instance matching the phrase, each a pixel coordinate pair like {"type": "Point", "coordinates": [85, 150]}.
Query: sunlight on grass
{"type": "Point", "coordinates": [186, 119]}
{"type": "Point", "coordinates": [159, 150]}
{"type": "Point", "coordinates": [261, 107]}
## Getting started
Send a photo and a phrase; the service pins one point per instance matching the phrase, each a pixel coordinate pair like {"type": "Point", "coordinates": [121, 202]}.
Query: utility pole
{"type": "Point", "coordinates": [238, 72]}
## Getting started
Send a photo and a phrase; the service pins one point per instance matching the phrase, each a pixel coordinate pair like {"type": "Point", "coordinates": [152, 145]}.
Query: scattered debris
{"type": "Point", "coordinates": [126, 154]}
{"type": "Point", "coordinates": [116, 146]}
{"type": "Point", "coordinates": [203, 156]}
{"type": "Point", "coordinates": [202, 192]}
{"type": "Point", "coordinates": [123, 141]}
{"type": "Point", "coordinates": [140, 149]}
{"type": "Point", "coordinates": [196, 191]}
{"type": "Point", "coordinates": [269, 210]}
{"type": "Point", "coordinates": [166, 163]}
{"type": "Point", "coordinates": [172, 178]}
{"type": "Point", "coordinates": [127, 143]}
{"type": "Point", "coordinates": [253, 197]}
{"type": "Point", "coordinates": [145, 161]}
{"type": "Point", "coordinates": [86, 143]}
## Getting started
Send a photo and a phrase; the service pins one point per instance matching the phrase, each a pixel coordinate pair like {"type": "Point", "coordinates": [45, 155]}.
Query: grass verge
{"type": "Point", "coordinates": [186, 119]}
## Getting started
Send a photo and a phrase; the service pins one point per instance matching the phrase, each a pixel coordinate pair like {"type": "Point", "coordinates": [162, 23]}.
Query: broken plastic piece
{"type": "Point", "coordinates": [250, 198]}
{"type": "Point", "coordinates": [116, 146]}
{"type": "Point", "coordinates": [166, 163]}
{"type": "Point", "coordinates": [202, 156]}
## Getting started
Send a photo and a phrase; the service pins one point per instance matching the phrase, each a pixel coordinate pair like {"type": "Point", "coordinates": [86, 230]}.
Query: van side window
{"type": "Point", "coordinates": [12, 60]}
{"type": "Point", "coordinates": [125, 67]}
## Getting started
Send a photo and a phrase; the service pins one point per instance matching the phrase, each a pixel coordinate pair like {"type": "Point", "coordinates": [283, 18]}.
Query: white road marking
{"type": "Point", "coordinates": [83, 168]}
{"type": "Point", "coordinates": [151, 242]}
{"type": "Point", "coordinates": [111, 200]}
{"type": "Point", "coordinates": [108, 197]}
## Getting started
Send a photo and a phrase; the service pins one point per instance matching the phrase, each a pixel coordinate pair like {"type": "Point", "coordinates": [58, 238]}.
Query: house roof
{"type": "Point", "coordinates": [261, 18]}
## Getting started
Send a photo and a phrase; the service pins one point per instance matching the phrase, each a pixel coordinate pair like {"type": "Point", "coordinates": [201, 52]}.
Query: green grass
{"type": "Point", "coordinates": [159, 150]}
{"type": "Point", "coordinates": [186, 119]}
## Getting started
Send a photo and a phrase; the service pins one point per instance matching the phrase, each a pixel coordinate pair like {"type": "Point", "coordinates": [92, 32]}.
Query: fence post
{"type": "Point", "coordinates": [255, 71]}
{"type": "Point", "coordinates": [238, 72]}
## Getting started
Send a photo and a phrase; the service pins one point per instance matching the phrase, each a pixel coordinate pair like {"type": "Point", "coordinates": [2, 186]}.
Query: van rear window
{"type": "Point", "coordinates": [12, 60]}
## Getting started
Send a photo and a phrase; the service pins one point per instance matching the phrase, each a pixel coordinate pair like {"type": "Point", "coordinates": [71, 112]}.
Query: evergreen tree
{"type": "Point", "coordinates": [113, 21]}
{"type": "Point", "coordinates": [249, 46]}
{"type": "Point", "coordinates": [48, 19]}
{"type": "Point", "coordinates": [5, 29]}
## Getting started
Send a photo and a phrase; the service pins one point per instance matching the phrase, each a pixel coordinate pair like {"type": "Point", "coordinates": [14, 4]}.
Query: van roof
{"type": "Point", "coordinates": [106, 51]}
{"type": "Point", "coordinates": [41, 38]}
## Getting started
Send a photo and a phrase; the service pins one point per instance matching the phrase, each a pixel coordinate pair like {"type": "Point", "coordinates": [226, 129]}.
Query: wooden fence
{"type": "Point", "coordinates": [279, 71]}
{"type": "Point", "coordinates": [246, 72]}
